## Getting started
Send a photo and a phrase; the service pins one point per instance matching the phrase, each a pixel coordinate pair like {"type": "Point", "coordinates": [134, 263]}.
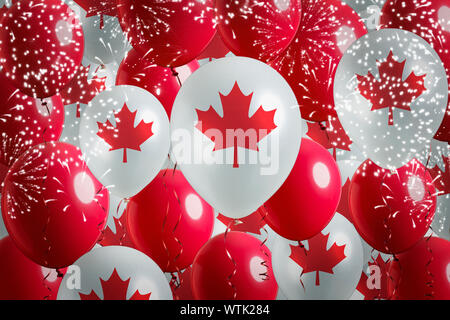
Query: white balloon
{"type": "Point", "coordinates": [104, 40]}
{"type": "Point", "coordinates": [340, 284]}
{"type": "Point", "coordinates": [127, 167]}
{"type": "Point", "coordinates": [368, 10]}
{"type": "Point", "coordinates": [235, 181]}
{"type": "Point", "coordinates": [390, 145]}
{"type": "Point", "coordinates": [87, 274]}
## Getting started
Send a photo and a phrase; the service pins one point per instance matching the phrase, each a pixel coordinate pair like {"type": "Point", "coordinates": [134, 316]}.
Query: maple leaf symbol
{"type": "Point", "coordinates": [317, 258]}
{"type": "Point", "coordinates": [120, 238]}
{"type": "Point", "coordinates": [99, 8]}
{"type": "Point", "coordinates": [246, 131]}
{"type": "Point", "coordinates": [441, 179]}
{"type": "Point", "coordinates": [125, 135]}
{"type": "Point", "coordinates": [181, 285]}
{"type": "Point", "coordinates": [252, 223]}
{"type": "Point", "coordinates": [390, 91]}
{"type": "Point", "coordinates": [376, 293]}
{"type": "Point", "coordinates": [330, 135]}
{"type": "Point", "coordinates": [114, 289]}
{"type": "Point", "coordinates": [80, 89]}
{"type": "Point", "coordinates": [343, 207]}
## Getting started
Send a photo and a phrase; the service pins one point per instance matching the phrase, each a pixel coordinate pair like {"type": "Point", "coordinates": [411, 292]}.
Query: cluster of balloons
{"type": "Point", "coordinates": [188, 149]}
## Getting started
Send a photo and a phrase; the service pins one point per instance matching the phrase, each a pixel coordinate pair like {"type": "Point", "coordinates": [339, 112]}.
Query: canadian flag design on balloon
{"type": "Point", "coordinates": [125, 135]}
{"type": "Point", "coordinates": [317, 258]}
{"type": "Point", "coordinates": [236, 122]}
{"type": "Point", "coordinates": [391, 91]}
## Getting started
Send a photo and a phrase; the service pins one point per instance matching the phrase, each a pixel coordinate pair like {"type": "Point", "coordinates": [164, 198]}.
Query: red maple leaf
{"type": "Point", "coordinates": [246, 131]}
{"type": "Point", "coordinates": [390, 91]}
{"type": "Point", "coordinates": [181, 285]}
{"type": "Point", "coordinates": [99, 8]}
{"type": "Point", "coordinates": [317, 258]}
{"type": "Point", "coordinates": [252, 223]}
{"type": "Point", "coordinates": [121, 237]}
{"type": "Point", "coordinates": [441, 178]}
{"type": "Point", "coordinates": [114, 289]}
{"type": "Point", "coordinates": [343, 207]}
{"type": "Point", "coordinates": [80, 89]}
{"type": "Point", "coordinates": [330, 134]}
{"type": "Point", "coordinates": [376, 293]}
{"type": "Point", "coordinates": [125, 135]}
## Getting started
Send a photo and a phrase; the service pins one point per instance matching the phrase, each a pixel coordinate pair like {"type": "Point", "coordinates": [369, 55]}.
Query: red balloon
{"type": "Point", "coordinates": [235, 266]}
{"type": "Point", "coordinates": [162, 82]}
{"type": "Point", "coordinates": [216, 49]}
{"type": "Point", "coordinates": [258, 29]}
{"type": "Point", "coordinates": [53, 207]}
{"type": "Point", "coordinates": [422, 273]}
{"type": "Point", "coordinates": [168, 33]}
{"type": "Point", "coordinates": [392, 211]}
{"type": "Point", "coordinates": [307, 200]}
{"type": "Point", "coordinates": [432, 23]}
{"type": "Point", "coordinates": [169, 221]}
{"type": "Point", "coordinates": [22, 279]}
{"type": "Point", "coordinates": [309, 64]}
{"type": "Point", "coordinates": [25, 122]}
{"type": "Point", "coordinates": [41, 46]}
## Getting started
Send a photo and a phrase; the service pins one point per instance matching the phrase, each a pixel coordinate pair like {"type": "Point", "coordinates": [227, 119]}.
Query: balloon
{"type": "Point", "coordinates": [169, 222]}
{"type": "Point", "coordinates": [368, 10]}
{"type": "Point", "coordinates": [422, 273]}
{"type": "Point", "coordinates": [104, 41]}
{"type": "Point", "coordinates": [327, 266]}
{"type": "Point", "coordinates": [309, 64]}
{"type": "Point", "coordinates": [432, 23]}
{"type": "Point", "coordinates": [172, 33]}
{"type": "Point", "coordinates": [53, 207]}
{"type": "Point", "coordinates": [236, 266]}
{"type": "Point", "coordinates": [392, 211]}
{"type": "Point", "coordinates": [216, 49]}
{"type": "Point", "coordinates": [307, 200]}
{"type": "Point", "coordinates": [162, 82]}
{"type": "Point", "coordinates": [86, 84]}
{"type": "Point", "coordinates": [391, 93]}
{"type": "Point", "coordinates": [124, 136]}
{"type": "Point", "coordinates": [114, 273]}
{"type": "Point", "coordinates": [40, 51]}
{"type": "Point", "coordinates": [441, 221]}
{"type": "Point", "coordinates": [22, 279]}
{"type": "Point", "coordinates": [258, 29]}
{"type": "Point", "coordinates": [25, 122]}
{"type": "Point", "coordinates": [249, 111]}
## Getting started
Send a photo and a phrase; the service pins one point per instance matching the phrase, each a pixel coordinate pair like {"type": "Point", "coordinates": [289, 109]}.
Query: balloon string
{"type": "Point", "coordinates": [264, 263]}
{"type": "Point", "coordinates": [124, 212]}
{"type": "Point", "coordinates": [44, 231]}
{"type": "Point", "coordinates": [102, 225]}
{"type": "Point", "coordinates": [232, 274]}
{"type": "Point", "coordinates": [324, 128]}
{"type": "Point", "coordinates": [44, 283]}
{"type": "Point", "coordinates": [300, 245]}
{"type": "Point", "coordinates": [173, 231]}
{"type": "Point", "coordinates": [430, 283]}
{"type": "Point", "coordinates": [177, 75]}
{"type": "Point", "coordinates": [387, 241]}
